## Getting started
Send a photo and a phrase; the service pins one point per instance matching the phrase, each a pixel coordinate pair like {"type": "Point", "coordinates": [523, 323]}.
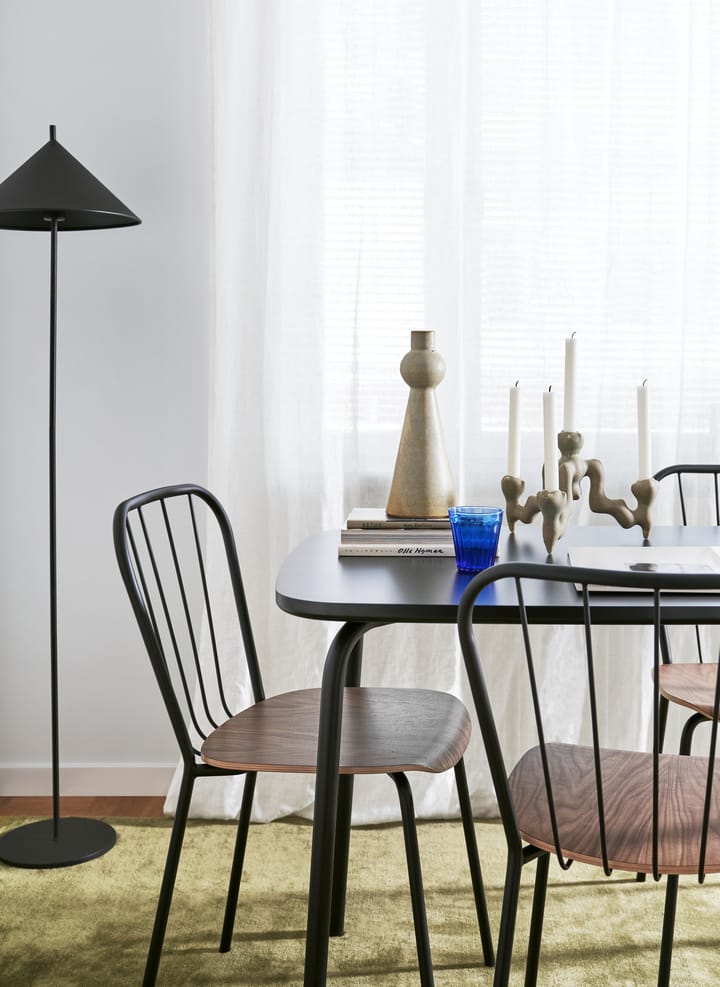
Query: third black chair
{"type": "Point", "coordinates": [690, 683]}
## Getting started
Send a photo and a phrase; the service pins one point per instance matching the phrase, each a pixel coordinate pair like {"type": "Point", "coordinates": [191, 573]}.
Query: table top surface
{"type": "Point", "coordinates": [314, 582]}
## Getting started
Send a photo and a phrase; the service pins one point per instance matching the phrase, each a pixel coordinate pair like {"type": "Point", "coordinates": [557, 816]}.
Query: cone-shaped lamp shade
{"type": "Point", "coordinates": [54, 183]}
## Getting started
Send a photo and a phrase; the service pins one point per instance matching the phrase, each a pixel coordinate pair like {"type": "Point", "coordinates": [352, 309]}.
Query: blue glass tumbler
{"type": "Point", "coordinates": [475, 532]}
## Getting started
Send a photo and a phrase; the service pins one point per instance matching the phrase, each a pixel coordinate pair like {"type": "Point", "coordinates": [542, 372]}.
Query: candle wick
{"type": "Point", "coordinates": [549, 388]}
{"type": "Point", "coordinates": [516, 383]}
{"type": "Point", "coordinates": [645, 382]}
{"type": "Point", "coordinates": [572, 335]}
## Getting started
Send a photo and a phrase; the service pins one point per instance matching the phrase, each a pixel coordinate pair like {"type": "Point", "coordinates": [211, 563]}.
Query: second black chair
{"type": "Point", "coordinates": [638, 810]}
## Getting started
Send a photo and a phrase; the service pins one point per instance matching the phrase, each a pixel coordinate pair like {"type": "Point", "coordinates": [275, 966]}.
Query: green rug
{"type": "Point", "coordinates": [89, 924]}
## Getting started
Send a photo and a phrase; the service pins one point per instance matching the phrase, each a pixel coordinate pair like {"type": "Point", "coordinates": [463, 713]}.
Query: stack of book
{"type": "Point", "coordinates": [369, 531]}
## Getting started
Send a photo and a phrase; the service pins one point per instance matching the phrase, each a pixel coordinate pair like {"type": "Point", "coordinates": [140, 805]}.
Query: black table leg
{"type": "Point", "coordinates": [326, 801]}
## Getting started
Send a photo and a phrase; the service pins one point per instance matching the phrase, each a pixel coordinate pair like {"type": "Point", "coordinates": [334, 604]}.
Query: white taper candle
{"type": "Point", "coordinates": [643, 425]}
{"type": "Point", "coordinates": [569, 424]}
{"type": "Point", "coordinates": [513, 466]}
{"type": "Point", "coordinates": [552, 476]}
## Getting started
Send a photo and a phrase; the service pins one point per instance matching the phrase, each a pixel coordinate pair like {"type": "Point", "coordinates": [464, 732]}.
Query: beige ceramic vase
{"type": "Point", "coordinates": [422, 484]}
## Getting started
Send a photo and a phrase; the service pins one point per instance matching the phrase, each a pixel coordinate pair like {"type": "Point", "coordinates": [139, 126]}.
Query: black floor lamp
{"type": "Point", "coordinates": [52, 191]}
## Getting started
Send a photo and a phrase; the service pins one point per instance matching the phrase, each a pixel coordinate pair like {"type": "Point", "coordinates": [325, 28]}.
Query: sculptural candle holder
{"type": "Point", "coordinates": [556, 505]}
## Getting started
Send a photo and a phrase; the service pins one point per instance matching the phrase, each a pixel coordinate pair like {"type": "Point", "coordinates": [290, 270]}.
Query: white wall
{"type": "Point", "coordinates": [127, 84]}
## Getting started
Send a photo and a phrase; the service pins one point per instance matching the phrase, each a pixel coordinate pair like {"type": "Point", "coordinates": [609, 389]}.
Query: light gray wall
{"type": "Point", "coordinates": [128, 86]}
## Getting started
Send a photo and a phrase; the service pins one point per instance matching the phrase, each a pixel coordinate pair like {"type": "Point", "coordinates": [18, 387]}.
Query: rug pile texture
{"type": "Point", "coordinates": [89, 925]}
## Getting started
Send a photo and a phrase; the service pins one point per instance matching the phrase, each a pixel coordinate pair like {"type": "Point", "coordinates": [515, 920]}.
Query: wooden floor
{"type": "Point", "coordinates": [128, 806]}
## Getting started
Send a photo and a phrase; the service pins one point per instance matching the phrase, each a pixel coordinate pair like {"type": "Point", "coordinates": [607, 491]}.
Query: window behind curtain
{"type": "Point", "coordinates": [592, 184]}
{"type": "Point", "coordinates": [375, 167]}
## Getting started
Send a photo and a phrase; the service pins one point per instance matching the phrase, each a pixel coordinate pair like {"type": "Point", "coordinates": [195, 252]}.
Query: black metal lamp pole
{"type": "Point", "coordinates": [53, 191]}
{"type": "Point", "coordinates": [52, 498]}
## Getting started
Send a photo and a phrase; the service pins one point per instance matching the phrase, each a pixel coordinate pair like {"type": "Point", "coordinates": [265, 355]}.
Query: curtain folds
{"type": "Point", "coordinates": [505, 173]}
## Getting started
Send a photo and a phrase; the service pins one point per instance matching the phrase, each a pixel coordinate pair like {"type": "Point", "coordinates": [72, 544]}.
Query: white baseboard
{"type": "Point", "coordinates": [87, 779]}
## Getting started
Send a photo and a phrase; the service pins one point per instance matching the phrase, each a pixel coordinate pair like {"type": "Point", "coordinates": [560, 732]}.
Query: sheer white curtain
{"type": "Point", "coordinates": [503, 172]}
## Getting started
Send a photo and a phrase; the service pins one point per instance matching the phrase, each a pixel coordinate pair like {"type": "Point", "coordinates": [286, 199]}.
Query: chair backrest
{"type": "Point", "coordinates": [178, 560]}
{"type": "Point", "coordinates": [574, 683]}
{"type": "Point", "coordinates": [698, 493]}
{"type": "Point", "coordinates": [694, 483]}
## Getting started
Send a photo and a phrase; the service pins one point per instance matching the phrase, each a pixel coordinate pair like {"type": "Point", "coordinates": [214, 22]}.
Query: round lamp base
{"type": "Point", "coordinates": [37, 845]}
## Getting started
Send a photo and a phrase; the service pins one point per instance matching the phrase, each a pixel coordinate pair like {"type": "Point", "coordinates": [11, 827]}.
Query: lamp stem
{"type": "Point", "coordinates": [53, 531]}
{"type": "Point", "coordinates": [55, 842]}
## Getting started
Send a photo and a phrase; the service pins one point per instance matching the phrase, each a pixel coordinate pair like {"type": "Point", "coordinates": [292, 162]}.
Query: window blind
{"type": "Point", "coordinates": [591, 205]}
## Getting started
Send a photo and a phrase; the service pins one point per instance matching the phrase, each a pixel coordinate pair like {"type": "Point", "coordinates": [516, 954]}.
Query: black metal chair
{"type": "Point", "coordinates": [163, 539]}
{"type": "Point", "coordinates": [636, 811]}
{"type": "Point", "coordinates": [691, 684]}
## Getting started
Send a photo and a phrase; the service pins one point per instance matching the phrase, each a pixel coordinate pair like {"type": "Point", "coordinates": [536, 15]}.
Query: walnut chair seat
{"type": "Point", "coordinates": [627, 783]}
{"type": "Point", "coordinates": [384, 731]}
{"type": "Point", "coordinates": [689, 684]}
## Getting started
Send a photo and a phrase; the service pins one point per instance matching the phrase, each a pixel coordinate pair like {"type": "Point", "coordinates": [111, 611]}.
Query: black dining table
{"type": "Point", "coordinates": [362, 593]}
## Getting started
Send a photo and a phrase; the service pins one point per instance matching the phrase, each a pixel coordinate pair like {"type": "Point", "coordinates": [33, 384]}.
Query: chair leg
{"type": "Point", "coordinates": [508, 917]}
{"type": "Point", "coordinates": [417, 894]}
{"type": "Point", "coordinates": [671, 892]}
{"type": "Point", "coordinates": [342, 851]}
{"type": "Point", "coordinates": [686, 738]}
{"type": "Point", "coordinates": [237, 862]}
{"type": "Point", "coordinates": [343, 817]}
{"type": "Point", "coordinates": [662, 724]}
{"type": "Point", "coordinates": [168, 882]}
{"type": "Point", "coordinates": [474, 862]}
{"type": "Point", "coordinates": [663, 706]}
{"type": "Point", "coordinates": [536, 922]}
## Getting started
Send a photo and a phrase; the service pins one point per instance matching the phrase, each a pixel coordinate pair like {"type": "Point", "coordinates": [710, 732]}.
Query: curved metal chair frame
{"type": "Point", "coordinates": [680, 472]}
{"type": "Point", "coordinates": [641, 811]}
{"type": "Point", "coordinates": [162, 539]}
